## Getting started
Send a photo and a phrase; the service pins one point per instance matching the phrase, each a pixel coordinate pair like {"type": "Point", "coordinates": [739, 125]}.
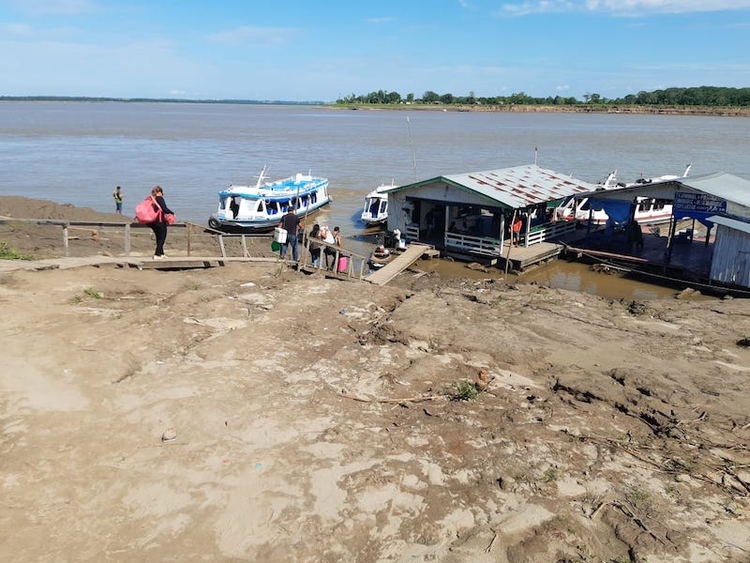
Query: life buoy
{"type": "Point", "coordinates": [213, 222]}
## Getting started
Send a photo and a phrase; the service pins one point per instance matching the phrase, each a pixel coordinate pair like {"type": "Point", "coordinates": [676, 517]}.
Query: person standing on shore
{"type": "Point", "coordinates": [118, 197]}
{"type": "Point", "coordinates": [160, 225]}
{"type": "Point", "coordinates": [291, 223]}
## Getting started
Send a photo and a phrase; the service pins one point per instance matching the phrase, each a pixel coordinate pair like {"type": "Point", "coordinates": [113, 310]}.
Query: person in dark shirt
{"type": "Point", "coordinates": [291, 223]}
{"type": "Point", "coordinates": [160, 225]}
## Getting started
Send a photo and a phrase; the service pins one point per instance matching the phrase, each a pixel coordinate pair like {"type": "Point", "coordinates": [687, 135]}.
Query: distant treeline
{"type": "Point", "coordinates": [168, 100]}
{"type": "Point", "coordinates": [705, 96]}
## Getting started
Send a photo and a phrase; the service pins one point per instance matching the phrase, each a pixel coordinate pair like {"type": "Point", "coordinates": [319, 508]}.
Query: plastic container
{"type": "Point", "coordinates": [343, 263]}
{"type": "Point", "coordinates": [279, 235]}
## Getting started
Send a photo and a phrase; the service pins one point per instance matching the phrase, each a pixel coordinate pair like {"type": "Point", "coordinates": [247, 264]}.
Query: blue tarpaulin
{"type": "Point", "coordinates": [617, 210]}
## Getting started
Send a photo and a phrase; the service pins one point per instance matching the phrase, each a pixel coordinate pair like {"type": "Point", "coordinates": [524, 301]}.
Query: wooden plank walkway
{"type": "Point", "coordinates": [400, 263]}
{"type": "Point", "coordinates": [142, 263]}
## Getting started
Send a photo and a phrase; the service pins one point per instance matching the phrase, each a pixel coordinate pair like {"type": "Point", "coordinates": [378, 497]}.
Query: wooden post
{"type": "Point", "coordinates": [507, 256]}
{"type": "Point", "coordinates": [66, 243]}
{"type": "Point", "coordinates": [221, 246]}
{"type": "Point", "coordinates": [127, 239]}
{"type": "Point", "coordinates": [245, 253]}
{"type": "Point", "coordinates": [670, 241]}
{"type": "Point", "coordinates": [189, 239]}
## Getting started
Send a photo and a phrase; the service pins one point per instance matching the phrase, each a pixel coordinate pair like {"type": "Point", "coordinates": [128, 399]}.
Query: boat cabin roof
{"type": "Point", "coordinates": [281, 189]}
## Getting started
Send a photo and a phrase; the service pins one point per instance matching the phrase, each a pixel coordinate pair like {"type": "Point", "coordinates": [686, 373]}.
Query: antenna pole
{"type": "Point", "coordinates": [413, 154]}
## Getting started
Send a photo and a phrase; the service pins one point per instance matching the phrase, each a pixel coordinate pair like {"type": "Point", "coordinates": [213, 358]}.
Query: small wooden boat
{"type": "Point", "coordinates": [379, 257]}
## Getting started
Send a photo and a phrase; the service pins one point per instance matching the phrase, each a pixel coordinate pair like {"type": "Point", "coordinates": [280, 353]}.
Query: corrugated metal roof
{"type": "Point", "coordinates": [731, 223]}
{"type": "Point", "coordinates": [515, 187]}
{"type": "Point", "coordinates": [726, 186]}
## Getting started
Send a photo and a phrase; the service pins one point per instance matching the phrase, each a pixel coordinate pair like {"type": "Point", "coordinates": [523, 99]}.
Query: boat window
{"type": "Point", "coordinates": [659, 204]}
{"type": "Point", "coordinates": [272, 207]}
{"type": "Point", "coordinates": [383, 206]}
{"type": "Point", "coordinates": [314, 197]}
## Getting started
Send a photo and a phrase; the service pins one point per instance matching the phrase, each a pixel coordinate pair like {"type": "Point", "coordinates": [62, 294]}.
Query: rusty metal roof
{"type": "Point", "coordinates": [516, 187]}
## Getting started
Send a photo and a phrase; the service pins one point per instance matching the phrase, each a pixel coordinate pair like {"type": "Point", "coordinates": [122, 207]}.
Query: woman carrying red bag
{"type": "Point", "coordinates": [160, 225]}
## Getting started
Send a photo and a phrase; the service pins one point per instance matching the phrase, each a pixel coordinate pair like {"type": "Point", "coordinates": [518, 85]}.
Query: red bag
{"type": "Point", "coordinates": [170, 218]}
{"type": "Point", "coordinates": [145, 212]}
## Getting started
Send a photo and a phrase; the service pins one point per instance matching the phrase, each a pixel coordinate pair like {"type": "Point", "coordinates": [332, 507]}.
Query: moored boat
{"type": "Point", "coordinates": [375, 211]}
{"type": "Point", "coordinates": [259, 208]}
{"type": "Point", "coordinates": [648, 210]}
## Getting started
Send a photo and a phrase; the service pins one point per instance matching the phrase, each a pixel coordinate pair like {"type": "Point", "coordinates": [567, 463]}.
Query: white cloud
{"type": "Point", "coordinates": [380, 20]}
{"type": "Point", "coordinates": [622, 7]}
{"type": "Point", "coordinates": [55, 7]}
{"type": "Point", "coordinates": [17, 30]}
{"type": "Point", "coordinates": [257, 36]}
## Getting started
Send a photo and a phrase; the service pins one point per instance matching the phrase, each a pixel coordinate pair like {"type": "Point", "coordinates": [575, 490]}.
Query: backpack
{"type": "Point", "coordinates": [145, 212]}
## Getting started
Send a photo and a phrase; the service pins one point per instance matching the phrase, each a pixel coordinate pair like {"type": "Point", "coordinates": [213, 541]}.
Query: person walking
{"type": "Point", "coordinates": [291, 223]}
{"type": "Point", "coordinates": [160, 225]}
{"type": "Point", "coordinates": [118, 197]}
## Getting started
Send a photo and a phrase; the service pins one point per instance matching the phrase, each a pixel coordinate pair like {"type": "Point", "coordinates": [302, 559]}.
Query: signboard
{"type": "Point", "coordinates": [697, 205]}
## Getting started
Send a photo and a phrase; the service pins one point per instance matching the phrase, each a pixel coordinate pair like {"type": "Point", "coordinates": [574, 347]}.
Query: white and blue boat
{"type": "Point", "coordinates": [259, 208]}
{"type": "Point", "coordinates": [375, 211]}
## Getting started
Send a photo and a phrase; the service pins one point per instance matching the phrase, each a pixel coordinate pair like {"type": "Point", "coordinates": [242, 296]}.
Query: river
{"type": "Point", "coordinates": [77, 152]}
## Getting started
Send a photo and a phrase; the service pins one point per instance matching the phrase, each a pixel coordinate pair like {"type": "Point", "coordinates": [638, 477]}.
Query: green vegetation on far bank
{"type": "Point", "coordinates": [702, 96]}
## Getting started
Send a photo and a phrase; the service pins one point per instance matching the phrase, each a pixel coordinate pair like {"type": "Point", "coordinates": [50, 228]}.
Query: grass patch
{"type": "Point", "coordinates": [640, 500]}
{"type": "Point", "coordinates": [91, 292]}
{"type": "Point", "coordinates": [465, 391]}
{"type": "Point", "coordinates": [8, 253]}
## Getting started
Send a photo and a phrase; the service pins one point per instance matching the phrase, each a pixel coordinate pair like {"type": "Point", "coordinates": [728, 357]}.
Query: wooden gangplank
{"type": "Point", "coordinates": [400, 263]}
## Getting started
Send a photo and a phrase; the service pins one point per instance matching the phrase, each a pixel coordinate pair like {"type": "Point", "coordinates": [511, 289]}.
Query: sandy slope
{"type": "Point", "coordinates": [316, 420]}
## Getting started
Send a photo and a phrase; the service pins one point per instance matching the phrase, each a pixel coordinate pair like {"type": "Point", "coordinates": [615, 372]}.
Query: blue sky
{"type": "Point", "coordinates": [301, 50]}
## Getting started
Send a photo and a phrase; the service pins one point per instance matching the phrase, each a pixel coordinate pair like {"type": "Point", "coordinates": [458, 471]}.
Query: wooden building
{"type": "Point", "coordinates": [470, 215]}
{"type": "Point", "coordinates": [720, 201]}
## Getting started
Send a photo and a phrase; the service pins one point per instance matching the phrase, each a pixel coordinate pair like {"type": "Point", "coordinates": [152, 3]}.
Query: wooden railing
{"type": "Point", "coordinates": [356, 263]}
{"type": "Point", "coordinates": [547, 231]}
{"type": "Point", "coordinates": [469, 243]}
{"type": "Point", "coordinates": [192, 229]}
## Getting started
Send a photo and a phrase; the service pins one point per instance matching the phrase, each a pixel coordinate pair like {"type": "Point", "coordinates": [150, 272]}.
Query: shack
{"type": "Point", "coordinates": [469, 216]}
{"type": "Point", "coordinates": [719, 201]}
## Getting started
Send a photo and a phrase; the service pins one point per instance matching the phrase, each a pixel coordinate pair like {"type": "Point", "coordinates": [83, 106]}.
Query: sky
{"type": "Point", "coordinates": [303, 50]}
